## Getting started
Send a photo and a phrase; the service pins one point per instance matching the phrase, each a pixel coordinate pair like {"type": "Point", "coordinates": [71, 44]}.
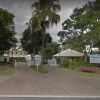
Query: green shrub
{"type": "Point", "coordinates": [65, 63]}
{"type": "Point", "coordinates": [80, 63]}
{"type": "Point", "coordinates": [5, 62]}
{"type": "Point", "coordinates": [41, 69]}
{"type": "Point", "coordinates": [75, 63]}
{"type": "Point", "coordinates": [11, 60]}
{"type": "Point", "coordinates": [45, 61]}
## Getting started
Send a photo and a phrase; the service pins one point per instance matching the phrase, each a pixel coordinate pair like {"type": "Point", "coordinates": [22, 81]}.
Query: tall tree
{"type": "Point", "coordinates": [83, 27]}
{"type": "Point", "coordinates": [44, 15]}
{"type": "Point", "coordinates": [32, 42]}
{"type": "Point", "coordinates": [7, 32]}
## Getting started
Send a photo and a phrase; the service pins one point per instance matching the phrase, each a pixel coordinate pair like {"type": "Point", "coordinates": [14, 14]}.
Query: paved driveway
{"type": "Point", "coordinates": [56, 82]}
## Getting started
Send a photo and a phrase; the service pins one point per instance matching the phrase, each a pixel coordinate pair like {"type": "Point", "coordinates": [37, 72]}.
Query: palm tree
{"type": "Point", "coordinates": [45, 15]}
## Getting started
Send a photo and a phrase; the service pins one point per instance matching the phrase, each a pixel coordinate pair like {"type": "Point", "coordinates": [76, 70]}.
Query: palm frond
{"type": "Point", "coordinates": [44, 9]}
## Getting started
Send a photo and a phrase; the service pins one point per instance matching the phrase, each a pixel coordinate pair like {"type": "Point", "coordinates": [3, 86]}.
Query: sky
{"type": "Point", "coordinates": [23, 12]}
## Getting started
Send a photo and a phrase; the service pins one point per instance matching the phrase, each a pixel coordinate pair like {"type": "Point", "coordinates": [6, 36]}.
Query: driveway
{"type": "Point", "coordinates": [56, 82]}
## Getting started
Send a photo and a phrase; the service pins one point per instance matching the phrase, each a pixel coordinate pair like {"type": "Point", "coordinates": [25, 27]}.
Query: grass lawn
{"type": "Point", "coordinates": [83, 74]}
{"type": "Point", "coordinates": [6, 70]}
{"type": "Point", "coordinates": [41, 69]}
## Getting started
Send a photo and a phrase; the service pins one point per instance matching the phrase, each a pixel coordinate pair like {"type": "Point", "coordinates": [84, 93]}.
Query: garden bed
{"type": "Point", "coordinates": [88, 69]}
{"type": "Point", "coordinates": [41, 69]}
{"type": "Point", "coordinates": [84, 73]}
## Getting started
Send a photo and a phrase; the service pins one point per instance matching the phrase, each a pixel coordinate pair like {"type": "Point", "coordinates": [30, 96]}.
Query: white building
{"type": "Point", "coordinates": [69, 53]}
{"type": "Point", "coordinates": [15, 52]}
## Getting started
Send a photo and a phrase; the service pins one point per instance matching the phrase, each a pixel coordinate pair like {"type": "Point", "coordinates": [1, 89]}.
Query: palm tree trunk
{"type": "Point", "coordinates": [43, 33]}
{"type": "Point", "coordinates": [42, 53]}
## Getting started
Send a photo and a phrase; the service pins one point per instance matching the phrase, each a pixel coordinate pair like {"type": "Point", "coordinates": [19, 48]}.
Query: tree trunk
{"type": "Point", "coordinates": [43, 33]}
{"type": "Point", "coordinates": [42, 52]}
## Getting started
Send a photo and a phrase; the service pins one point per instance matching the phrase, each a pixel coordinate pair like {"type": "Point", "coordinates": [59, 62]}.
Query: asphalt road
{"type": "Point", "coordinates": [47, 98]}
{"type": "Point", "coordinates": [57, 82]}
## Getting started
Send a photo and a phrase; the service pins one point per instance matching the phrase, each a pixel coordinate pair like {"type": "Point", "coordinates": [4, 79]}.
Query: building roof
{"type": "Point", "coordinates": [69, 53]}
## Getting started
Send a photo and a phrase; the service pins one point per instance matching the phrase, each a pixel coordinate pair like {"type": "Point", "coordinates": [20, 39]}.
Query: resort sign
{"type": "Point", "coordinates": [95, 58]}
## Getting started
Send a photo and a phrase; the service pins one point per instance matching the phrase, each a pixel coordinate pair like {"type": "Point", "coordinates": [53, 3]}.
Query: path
{"type": "Point", "coordinates": [56, 82]}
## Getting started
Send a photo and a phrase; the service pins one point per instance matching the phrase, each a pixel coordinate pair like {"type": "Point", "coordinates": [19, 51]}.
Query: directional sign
{"type": "Point", "coordinates": [95, 58]}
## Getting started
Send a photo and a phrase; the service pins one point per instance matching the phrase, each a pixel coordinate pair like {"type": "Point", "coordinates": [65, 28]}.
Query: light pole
{"type": "Point", "coordinates": [43, 25]}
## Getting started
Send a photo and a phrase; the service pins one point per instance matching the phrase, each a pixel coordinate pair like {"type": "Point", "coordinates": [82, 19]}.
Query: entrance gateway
{"type": "Point", "coordinates": [28, 61]}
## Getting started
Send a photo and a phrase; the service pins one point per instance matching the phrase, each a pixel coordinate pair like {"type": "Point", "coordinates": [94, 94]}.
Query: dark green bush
{"type": "Point", "coordinates": [45, 61]}
{"type": "Point", "coordinates": [75, 63]}
{"type": "Point", "coordinates": [20, 59]}
{"type": "Point", "coordinates": [64, 63]}
{"type": "Point", "coordinates": [80, 63]}
{"type": "Point", "coordinates": [5, 60]}
{"type": "Point", "coordinates": [11, 60]}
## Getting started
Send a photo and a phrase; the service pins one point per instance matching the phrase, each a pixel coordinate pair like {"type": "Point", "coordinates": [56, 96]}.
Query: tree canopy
{"type": "Point", "coordinates": [32, 42]}
{"type": "Point", "coordinates": [7, 33]}
{"type": "Point", "coordinates": [51, 49]}
{"type": "Point", "coordinates": [44, 13]}
{"type": "Point", "coordinates": [83, 27]}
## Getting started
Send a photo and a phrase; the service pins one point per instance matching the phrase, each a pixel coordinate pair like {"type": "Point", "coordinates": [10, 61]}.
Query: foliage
{"type": "Point", "coordinates": [44, 13]}
{"type": "Point", "coordinates": [32, 42]}
{"type": "Point", "coordinates": [40, 69]}
{"type": "Point", "coordinates": [20, 59]}
{"type": "Point", "coordinates": [3, 62]}
{"type": "Point", "coordinates": [6, 70]}
{"type": "Point", "coordinates": [51, 49]}
{"type": "Point", "coordinates": [64, 63]}
{"type": "Point", "coordinates": [83, 27]}
{"type": "Point", "coordinates": [11, 60]}
{"type": "Point", "coordinates": [7, 33]}
{"type": "Point", "coordinates": [74, 64]}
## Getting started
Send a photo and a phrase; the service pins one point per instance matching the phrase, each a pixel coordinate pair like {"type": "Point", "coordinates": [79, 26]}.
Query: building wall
{"type": "Point", "coordinates": [16, 53]}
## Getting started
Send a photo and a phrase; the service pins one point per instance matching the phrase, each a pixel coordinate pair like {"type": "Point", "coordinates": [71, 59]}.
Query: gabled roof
{"type": "Point", "coordinates": [69, 53]}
